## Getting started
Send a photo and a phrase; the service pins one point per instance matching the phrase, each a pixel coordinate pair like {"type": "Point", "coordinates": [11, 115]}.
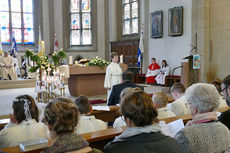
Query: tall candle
{"type": "Point", "coordinates": [121, 59]}
{"type": "Point", "coordinates": [70, 60]}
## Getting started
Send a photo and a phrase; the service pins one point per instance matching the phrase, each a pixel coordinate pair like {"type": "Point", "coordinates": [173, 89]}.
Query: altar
{"type": "Point", "coordinates": [86, 80]}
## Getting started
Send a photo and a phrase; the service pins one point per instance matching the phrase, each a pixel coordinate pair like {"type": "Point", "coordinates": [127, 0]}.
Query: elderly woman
{"type": "Point", "coordinates": [142, 134]}
{"type": "Point", "coordinates": [203, 133]}
{"type": "Point", "coordinates": [62, 118]}
{"type": "Point", "coordinates": [23, 124]}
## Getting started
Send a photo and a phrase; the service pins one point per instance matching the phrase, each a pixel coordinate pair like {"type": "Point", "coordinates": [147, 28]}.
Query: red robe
{"type": "Point", "coordinates": [152, 73]}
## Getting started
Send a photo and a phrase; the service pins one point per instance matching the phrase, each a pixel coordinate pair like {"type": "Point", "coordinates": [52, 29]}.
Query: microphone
{"type": "Point", "coordinates": [177, 67]}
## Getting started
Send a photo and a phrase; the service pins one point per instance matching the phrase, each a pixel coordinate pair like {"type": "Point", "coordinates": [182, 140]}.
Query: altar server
{"type": "Point", "coordinates": [164, 71]}
{"type": "Point", "coordinates": [113, 74]}
{"type": "Point", "coordinates": [152, 72]}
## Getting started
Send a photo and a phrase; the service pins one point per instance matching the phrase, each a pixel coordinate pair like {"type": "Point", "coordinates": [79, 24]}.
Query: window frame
{"type": "Point", "coordinates": [22, 24]}
{"type": "Point", "coordinates": [81, 25]}
{"type": "Point", "coordinates": [131, 19]}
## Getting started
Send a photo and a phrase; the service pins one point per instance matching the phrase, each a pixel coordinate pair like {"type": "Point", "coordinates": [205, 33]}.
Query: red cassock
{"type": "Point", "coordinates": [153, 70]}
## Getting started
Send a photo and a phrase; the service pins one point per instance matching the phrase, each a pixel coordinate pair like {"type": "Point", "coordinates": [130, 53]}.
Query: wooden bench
{"type": "Point", "coordinates": [98, 139]}
{"type": "Point", "coordinates": [140, 78]}
{"type": "Point", "coordinates": [171, 79]}
{"type": "Point", "coordinates": [107, 116]}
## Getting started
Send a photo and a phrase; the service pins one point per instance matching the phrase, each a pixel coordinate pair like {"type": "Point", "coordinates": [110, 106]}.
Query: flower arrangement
{"type": "Point", "coordinates": [58, 57]}
{"type": "Point", "coordinates": [44, 62]}
{"type": "Point", "coordinates": [98, 62]}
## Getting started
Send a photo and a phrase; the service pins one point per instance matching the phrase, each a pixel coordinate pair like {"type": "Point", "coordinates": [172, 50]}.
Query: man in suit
{"type": "Point", "coordinates": [127, 77]}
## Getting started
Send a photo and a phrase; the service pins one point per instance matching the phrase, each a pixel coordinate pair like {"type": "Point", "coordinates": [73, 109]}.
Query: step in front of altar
{"type": "Point", "coordinates": [11, 84]}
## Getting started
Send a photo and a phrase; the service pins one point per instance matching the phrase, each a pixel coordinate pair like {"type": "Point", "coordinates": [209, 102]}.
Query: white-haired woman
{"type": "Point", "coordinates": [203, 133]}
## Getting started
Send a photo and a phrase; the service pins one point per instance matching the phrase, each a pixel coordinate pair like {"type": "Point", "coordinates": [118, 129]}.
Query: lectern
{"type": "Point", "coordinates": [188, 74]}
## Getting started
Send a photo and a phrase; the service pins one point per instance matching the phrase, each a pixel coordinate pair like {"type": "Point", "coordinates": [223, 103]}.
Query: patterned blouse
{"type": "Point", "coordinates": [67, 142]}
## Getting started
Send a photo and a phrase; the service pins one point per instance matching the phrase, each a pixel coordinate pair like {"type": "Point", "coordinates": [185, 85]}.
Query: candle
{"type": "Point", "coordinates": [70, 60]}
{"type": "Point", "coordinates": [121, 59]}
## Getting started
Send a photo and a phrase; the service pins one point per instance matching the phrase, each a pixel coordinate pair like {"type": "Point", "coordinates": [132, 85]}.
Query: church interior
{"type": "Point", "coordinates": [104, 75]}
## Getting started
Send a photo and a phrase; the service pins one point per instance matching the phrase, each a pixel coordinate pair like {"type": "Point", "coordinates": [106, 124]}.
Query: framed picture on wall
{"type": "Point", "coordinates": [157, 24]}
{"type": "Point", "coordinates": [175, 21]}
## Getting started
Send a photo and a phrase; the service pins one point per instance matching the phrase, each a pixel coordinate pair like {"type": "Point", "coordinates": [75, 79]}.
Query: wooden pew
{"type": "Point", "coordinates": [107, 116]}
{"type": "Point", "coordinates": [99, 139]}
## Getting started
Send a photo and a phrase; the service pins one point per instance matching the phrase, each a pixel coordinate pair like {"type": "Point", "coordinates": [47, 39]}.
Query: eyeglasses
{"type": "Point", "coordinates": [221, 91]}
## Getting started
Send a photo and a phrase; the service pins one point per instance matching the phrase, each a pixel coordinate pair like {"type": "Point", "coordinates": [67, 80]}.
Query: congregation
{"type": "Point", "coordinates": [64, 121]}
{"type": "Point", "coordinates": [114, 76]}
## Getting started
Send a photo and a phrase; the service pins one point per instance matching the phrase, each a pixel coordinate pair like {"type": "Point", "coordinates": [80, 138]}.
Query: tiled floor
{"type": "Point", "coordinates": [6, 96]}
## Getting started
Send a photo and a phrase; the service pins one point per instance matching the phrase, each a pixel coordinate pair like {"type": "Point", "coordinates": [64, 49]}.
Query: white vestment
{"type": "Point", "coordinates": [88, 124]}
{"type": "Point", "coordinates": [180, 106]}
{"type": "Point", "coordinates": [223, 103]}
{"type": "Point", "coordinates": [152, 72]}
{"type": "Point", "coordinates": [7, 66]}
{"type": "Point", "coordinates": [164, 113]}
{"type": "Point", "coordinates": [16, 66]}
{"type": "Point", "coordinates": [160, 78]}
{"type": "Point", "coordinates": [112, 77]}
{"type": "Point", "coordinates": [26, 130]}
{"type": "Point", "coordinates": [119, 122]}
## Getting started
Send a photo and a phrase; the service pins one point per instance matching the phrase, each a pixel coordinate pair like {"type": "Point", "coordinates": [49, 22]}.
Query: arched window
{"type": "Point", "coordinates": [130, 17]}
{"type": "Point", "coordinates": [81, 27]}
{"type": "Point", "coordinates": [16, 17]}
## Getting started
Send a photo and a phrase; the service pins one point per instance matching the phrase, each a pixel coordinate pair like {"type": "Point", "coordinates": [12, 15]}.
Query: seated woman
{"type": "Point", "coordinates": [143, 133]}
{"type": "Point", "coordinates": [203, 133]}
{"type": "Point", "coordinates": [152, 72]}
{"type": "Point", "coordinates": [160, 100]}
{"type": "Point", "coordinates": [164, 71]}
{"type": "Point", "coordinates": [217, 83]}
{"type": "Point", "coordinates": [62, 118]}
{"type": "Point", "coordinates": [23, 124]}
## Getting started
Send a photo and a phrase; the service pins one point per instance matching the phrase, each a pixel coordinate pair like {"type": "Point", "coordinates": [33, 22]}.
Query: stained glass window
{"type": "Point", "coordinates": [81, 32]}
{"type": "Point", "coordinates": [16, 16]}
{"type": "Point", "coordinates": [5, 35]}
{"type": "Point", "coordinates": [130, 17]}
{"type": "Point", "coordinates": [4, 5]}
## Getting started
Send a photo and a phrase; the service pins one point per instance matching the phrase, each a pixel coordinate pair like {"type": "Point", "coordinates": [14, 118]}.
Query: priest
{"type": "Point", "coordinates": [152, 72]}
{"type": "Point", "coordinates": [7, 67]}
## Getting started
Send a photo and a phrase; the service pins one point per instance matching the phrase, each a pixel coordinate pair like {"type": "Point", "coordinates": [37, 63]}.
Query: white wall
{"type": "Point", "coordinates": [173, 49]}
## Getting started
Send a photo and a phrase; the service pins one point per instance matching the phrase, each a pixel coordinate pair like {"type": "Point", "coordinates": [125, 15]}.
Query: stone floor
{"type": "Point", "coordinates": [7, 95]}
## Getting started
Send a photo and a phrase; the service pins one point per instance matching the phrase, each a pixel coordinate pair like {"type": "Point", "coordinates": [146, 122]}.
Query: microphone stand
{"type": "Point", "coordinates": [170, 83]}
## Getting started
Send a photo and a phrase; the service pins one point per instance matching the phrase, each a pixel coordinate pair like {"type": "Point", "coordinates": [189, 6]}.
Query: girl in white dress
{"type": "Point", "coordinates": [113, 74]}
{"type": "Point", "coordinates": [24, 124]}
{"type": "Point", "coordinates": [164, 71]}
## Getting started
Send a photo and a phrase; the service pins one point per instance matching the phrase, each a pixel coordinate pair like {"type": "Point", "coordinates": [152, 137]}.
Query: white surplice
{"type": "Point", "coordinates": [7, 68]}
{"type": "Point", "coordinates": [16, 66]}
{"type": "Point", "coordinates": [112, 77]}
{"type": "Point", "coordinates": [160, 78]}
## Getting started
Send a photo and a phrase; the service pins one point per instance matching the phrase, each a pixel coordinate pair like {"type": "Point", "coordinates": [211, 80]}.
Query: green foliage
{"type": "Point", "coordinates": [57, 57]}
{"type": "Point", "coordinates": [44, 62]}
{"type": "Point", "coordinates": [98, 62]}
{"type": "Point", "coordinates": [33, 69]}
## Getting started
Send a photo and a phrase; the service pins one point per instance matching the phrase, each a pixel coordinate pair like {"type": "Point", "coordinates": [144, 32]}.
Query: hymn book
{"type": "Point", "coordinates": [33, 144]}
{"type": "Point", "coordinates": [171, 128]}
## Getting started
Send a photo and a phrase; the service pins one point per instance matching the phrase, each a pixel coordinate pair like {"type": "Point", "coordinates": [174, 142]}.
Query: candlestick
{"type": "Point", "coordinates": [70, 60]}
{"type": "Point", "coordinates": [121, 59]}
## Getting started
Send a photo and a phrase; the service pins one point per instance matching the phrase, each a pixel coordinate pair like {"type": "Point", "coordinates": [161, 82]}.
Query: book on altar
{"type": "Point", "coordinates": [171, 128]}
{"type": "Point", "coordinates": [33, 144]}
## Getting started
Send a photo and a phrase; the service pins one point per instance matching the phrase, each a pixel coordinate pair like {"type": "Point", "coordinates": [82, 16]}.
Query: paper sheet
{"type": "Point", "coordinates": [102, 108]}
{"type": "Point", "coordinates": [171, 128]}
